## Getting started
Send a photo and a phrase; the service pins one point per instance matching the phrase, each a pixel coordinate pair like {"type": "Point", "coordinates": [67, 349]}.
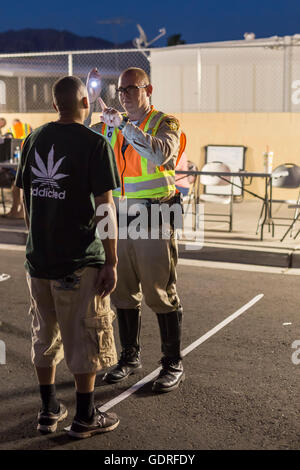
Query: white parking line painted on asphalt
{"type": "Point", "coordinates": [4, 277]}
{"type": "Point", "coordinates": [238, 266]}
{"type": "Point", "coordinates": [195, 344]}
{"type": "Point", "coordinates": [186, 351]}
{"type": "Point", "coordinates": [222, 324]}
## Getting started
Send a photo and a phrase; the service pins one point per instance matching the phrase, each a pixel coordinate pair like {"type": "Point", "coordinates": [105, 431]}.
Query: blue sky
{"type": "Point", "coordinates": [197, 21]}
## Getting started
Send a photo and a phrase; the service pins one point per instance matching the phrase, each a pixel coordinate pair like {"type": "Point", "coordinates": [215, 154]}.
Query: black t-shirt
{"type": "Point", "coordinates": [62, 168]}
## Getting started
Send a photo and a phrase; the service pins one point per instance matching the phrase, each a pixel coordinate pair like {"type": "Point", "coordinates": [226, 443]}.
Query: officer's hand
{"type": "Point", "coordinates": [106, 280]}
{"type": "Point", "coordinates": [93, 84]}
{"type": "Point", "coordinates": [110, 116]}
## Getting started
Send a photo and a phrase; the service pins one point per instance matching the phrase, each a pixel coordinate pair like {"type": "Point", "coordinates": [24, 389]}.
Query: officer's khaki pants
{"type": "Point", "coordinates": [147, 267]}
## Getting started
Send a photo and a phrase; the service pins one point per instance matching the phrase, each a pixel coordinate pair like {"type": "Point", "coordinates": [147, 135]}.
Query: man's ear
{"type": "Point", "coordinates": [149, 90]}
{"type": "Point", "coordinates": [85, 102]}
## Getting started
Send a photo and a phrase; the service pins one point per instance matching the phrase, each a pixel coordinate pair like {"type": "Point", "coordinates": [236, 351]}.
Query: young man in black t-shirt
{"type": "Point", "coordinates": [66, 172]}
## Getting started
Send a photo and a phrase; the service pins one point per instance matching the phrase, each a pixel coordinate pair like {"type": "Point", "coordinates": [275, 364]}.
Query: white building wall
{"type": "Point", "coordinates": [225, 79]}
{"type": "Point", "coordinates": [176, 80]}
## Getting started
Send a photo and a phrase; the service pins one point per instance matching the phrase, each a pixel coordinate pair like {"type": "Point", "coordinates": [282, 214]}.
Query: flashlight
{"type": "Point", "coordinates": [94, 86]}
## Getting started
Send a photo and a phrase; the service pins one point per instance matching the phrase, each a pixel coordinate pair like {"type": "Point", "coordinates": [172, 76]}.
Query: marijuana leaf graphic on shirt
{"type": "Point", "coordinates": [47, 176]}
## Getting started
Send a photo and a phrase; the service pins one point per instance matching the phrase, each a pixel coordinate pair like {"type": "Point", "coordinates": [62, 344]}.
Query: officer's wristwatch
{"type": "Point", "coordinates": [123, 122]}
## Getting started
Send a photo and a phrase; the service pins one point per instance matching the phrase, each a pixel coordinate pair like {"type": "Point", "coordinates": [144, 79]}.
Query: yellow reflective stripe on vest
{"type": "Point", "coordinates": [154, 131]}
{"type": "Point", "coordinates": [152, 115]}
{"type": "Point", "coordinates": [151, 193]}
{"type": "Point", "coordinates": [155, 176]}
{"type": "Point", "coordinates": [148, 184]}
{"type": "Point", "coordinates": [111, 133]}
{"type": "Point", "coordinates": [144, 161]}
{"type": "Point", "coordinates": [157, 185]}
{"type": "Point", "coordinates": [27, 129]}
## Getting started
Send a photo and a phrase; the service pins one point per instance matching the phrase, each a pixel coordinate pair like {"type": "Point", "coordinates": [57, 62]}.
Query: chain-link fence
{"type": "Point", "coordinates": [259, 76]}
{"type": "Point", "coordinates": [26, 80]}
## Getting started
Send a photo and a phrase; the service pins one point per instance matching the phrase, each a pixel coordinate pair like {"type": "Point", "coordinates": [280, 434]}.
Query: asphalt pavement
{"type": "Point", "coordinates": [242, 379]}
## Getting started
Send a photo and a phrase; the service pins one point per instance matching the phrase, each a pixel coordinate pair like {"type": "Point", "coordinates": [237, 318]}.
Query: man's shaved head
{"type": "Point", "coordinates": [139, 74]}
{"type": "Point", "coordinates": [2, 122]}
{"type": "Point", "coordinates": [67, 93]}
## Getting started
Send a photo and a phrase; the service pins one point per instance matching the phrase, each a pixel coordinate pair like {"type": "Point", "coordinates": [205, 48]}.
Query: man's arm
{"type": "Point", "coordinates": [19, 182]}
{"type": "Point", "coordinates": [26, 215]}
{"type": "Point", "coordinates": [106, 213]}
{"type": "Point", "coordinates": [103, 178]}
{"type": "Point", "coordinates": [159, 149]}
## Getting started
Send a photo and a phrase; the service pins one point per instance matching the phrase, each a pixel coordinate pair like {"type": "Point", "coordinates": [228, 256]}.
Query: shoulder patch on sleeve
{"type": "Point", "coordinates": [173, 123]}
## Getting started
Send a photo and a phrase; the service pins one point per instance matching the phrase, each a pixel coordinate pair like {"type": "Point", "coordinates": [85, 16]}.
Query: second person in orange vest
{"type": "Point", "coordinates": [146, 144]}
{"type": "Point", "coordinates": [19, 130]}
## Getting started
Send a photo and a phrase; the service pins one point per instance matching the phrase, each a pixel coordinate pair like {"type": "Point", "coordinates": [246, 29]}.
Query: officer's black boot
{"type": "Point", "coordinates": [171, 373]}
{"type": "Point", "coordinates": [129, 321]}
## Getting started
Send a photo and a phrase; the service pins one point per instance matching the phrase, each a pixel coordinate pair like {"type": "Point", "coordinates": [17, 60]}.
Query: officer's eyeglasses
{"type": "Point", "coordinates": [130, 89]}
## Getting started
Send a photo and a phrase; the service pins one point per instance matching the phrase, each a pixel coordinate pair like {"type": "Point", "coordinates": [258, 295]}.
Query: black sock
{"type": "Point", "coordinates": [49, 400]}
{"type": "Point", "coordinates": [85, 405]}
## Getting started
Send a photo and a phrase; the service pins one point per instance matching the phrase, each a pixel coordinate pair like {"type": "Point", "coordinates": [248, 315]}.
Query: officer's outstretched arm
{"type": "Point", "coordinates": [159, 149]}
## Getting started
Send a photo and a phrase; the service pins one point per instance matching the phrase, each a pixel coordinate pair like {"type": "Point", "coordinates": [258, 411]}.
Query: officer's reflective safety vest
{"type": "Point", "coordinates": [20, 130]}
{"type": "Point", "coordinates": [140, 178]}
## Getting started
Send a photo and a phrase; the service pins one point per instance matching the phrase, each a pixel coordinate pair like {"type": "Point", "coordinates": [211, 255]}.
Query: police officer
{"type": "Point", "coordinates": [146, 144]}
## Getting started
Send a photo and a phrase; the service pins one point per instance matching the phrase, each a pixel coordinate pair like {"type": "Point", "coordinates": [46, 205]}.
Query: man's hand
{"type": "Point", "coordinates": [110, 116]}
{"type": "Point", "coordinates": [106, 280]}
{"type": "Point", "coordinates": [93, 85]}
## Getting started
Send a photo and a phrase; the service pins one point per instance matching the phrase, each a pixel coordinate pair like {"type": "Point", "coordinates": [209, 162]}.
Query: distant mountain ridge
{"type": "Point", "coordinates": [44, 40]}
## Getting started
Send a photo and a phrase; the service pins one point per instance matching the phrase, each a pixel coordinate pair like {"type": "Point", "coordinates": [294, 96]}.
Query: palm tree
{"type": "Point", "coordinates": [175, 40]}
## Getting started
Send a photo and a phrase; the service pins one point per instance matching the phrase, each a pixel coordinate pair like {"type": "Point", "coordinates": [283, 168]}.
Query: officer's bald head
{"type": "Point", "coordinates": [68, 93]}
{"type": "Point", "coordinates": [139, 75]}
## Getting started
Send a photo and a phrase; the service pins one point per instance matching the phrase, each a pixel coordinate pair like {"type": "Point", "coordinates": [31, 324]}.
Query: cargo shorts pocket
{"type": "Point", "coordinates": [102, 348]}
{"type": "Point", "coordinates": [71, 282]}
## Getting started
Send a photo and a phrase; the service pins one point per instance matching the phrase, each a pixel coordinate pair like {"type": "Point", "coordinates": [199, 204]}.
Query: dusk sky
{"type": "Point", "coordinates": [196, 20]}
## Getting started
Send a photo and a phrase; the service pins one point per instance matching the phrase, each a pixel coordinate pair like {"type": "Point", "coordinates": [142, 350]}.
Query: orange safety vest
{"type": "Point", "coordinates": [139, 177]}
{"type": "Point", "coordinates": [20, 130]}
